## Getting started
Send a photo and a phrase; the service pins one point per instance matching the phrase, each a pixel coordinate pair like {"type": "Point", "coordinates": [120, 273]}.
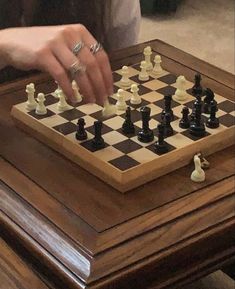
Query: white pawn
{"type": "Point", "coordinates": [125, 81]}
{"type": "Point", "coordinates": [77, 94]}
{"type": "Point", "coordinates": [143, 76]}
{"type": "Point", "coordinates": [180, 94]}
{"type": "Point", "coordinates": [135, 98]}
{"type": "Point", "coordinates": [198, 175]}
{"type": "Point", "coordinates": [147, 55]}
{"type": "Point", "coordinates": [121, 104]}
{"type": "Point", "coordinates": [41, 108]}
{"type": "Point", "coordinates": [157, 70]}
{"type": "Point", "coordinates": [62, 105]}
{"type": "Point", "coordinates": [31, 103]}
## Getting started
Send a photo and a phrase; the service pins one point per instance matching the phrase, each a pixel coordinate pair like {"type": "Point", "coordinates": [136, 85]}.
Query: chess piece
{"type": "Point", "coordinates": [185, 122]}
{"type": "Point", "coordinates": [208, 100]}
{"type": "Point", "coordinates": [147, 55]}
{"type": "Point", "coordinates": [160, 145]}
{"type": "Point", "coordinates": [81, 133]}
{"type": "Point", "coordinates": [125, 81]}
{"type": "Point", "coordinates": [145, 134]}
{"type": "Point", "coordinates": [121, 104]}
{"type": "Point", "coordinates": [143, 75]}
{"type": "Point", "coordinates": [128, 126]}
{"type": "Point", "coordinates": [77, 94]}
{"type": "Point", "coordinates": [98, 142]}
{"type": "Point", "coordinates": [197, 88]}
{"type": "Point", "coordinates": [167, 107]}
{"type": "Point", "coordinates": [168, 130]}
{"type": "Point", "coordinates": [157, 70]}
{"type": "Point", "coordinates": [109, 109]}
{"type": "Point", "coordinates": [62, 105]}
{"type": "Point", "coordinates": [197, 127]}
{"type": "Point", "coordinates": [135, 98]}
{"type": "Point", "coordinates": [31, 103]}
{"type": "Point", "coordinates": [204, 162]}
{"type": "Point", "coordinates": [180, 94]}
{"type": "Point", "coordinates": [41, 108]}
{"type": "Point", "coordinates": [213, 121]}
{"type": "Point", "coordinates": [198, 175]}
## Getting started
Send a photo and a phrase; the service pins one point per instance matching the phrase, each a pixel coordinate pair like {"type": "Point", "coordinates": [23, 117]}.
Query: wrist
{"type": "Point", "coordinates": [3, 50]}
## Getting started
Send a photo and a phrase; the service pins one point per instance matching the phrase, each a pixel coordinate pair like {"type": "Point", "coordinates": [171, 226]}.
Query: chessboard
{"type": "Point", "coordinates": [125, 162]}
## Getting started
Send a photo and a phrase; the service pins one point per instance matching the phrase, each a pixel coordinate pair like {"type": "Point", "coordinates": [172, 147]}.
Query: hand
{"type": "Point", "coordinates": [49, 49]}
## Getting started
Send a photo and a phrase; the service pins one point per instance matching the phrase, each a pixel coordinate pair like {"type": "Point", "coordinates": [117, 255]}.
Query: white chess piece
{"type": "Point", "coordinates": [125, 81]}
{"type": "Point", "coordinates": [109, 109]}
{"type": "Point", "coordinates": [147, 56]}
{"type": "Point", "coordinates": [62, 105]}
{"type": "Point", "coordinates": [77, 94]}
{"type": "Point", "coordinates": [31, 103]}
{"type": "Point", "coordinates": [157, 70]}
{"type": "Point", "coordinates": [41, 108]}
{"type": "Point", "coordinates": [135, 98]}
{"type": "Point", "coordinates": [198, 175]}
{"type": "Point", "coordinates": [143, 76]}
{"type": "Point", "coordinates": [180, 94]}
{"type": "Point", "coordinates": [121, 104]}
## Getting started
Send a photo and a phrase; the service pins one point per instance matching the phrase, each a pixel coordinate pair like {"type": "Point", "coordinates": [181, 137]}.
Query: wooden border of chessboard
{"type": "Point", "coordinates": [134, 177]}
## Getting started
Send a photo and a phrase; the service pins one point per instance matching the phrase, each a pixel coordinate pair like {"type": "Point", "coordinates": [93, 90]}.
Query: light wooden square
{"type": "Point", "coordinates": [135, 139]}
{"type": "Point", "coordinates": [113, 137]}
{"type": "Point", "coordinates": [53, 107]}
{"type": "Point", "coordinates": [216, 130]}
{"type": "Point", "coordinates": [132, 72]}
{"type": "Point", "coordinates": [143, 155]}
{"type": "Point", "coordinates": [178, 140]}
{"type": "Point", "coordinates": [164, 72]}
{"type": "Point", "coordinates": [72, 138]}
{"type": "Point", "coordinates": [219, 98]}
{"type": "Point", "coordinates": [152, 96]}
{"type": "Point", "coordinates": [115, 122]}
{"type": "Point", "coordinates": [127, 95]}
{"type": "Point", "coordinates": [152, 124]}
{"type": "Point", "coordinates": [188, 84]}
{"type": "Point", "coordinates": [154, 84]}
{"type": "Point", "coordinates": [88, 120]}
{"type": "Point", "coordinates": [53, 120]}
{"type": "Point", "coordinates": [188, 99]}
{"type": "Point", "coordinates": [175, 126]}
{"type": "Point", "coordinates": [109, 153]}
{"type": "Point", "coordinates": [118, 84]}
{"type": "Point", "coordinates": [90, 108]}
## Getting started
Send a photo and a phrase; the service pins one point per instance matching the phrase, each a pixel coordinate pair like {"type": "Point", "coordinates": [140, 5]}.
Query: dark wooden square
{"type": "Point", "coordinates": [167, 90]}
{"type": "Point", "coordinates": [72, 114]}
{"type": "Point", "coordinates": [124, 163]}
{"type": "Point", "coordinates": [66, 128]}
{"type": "Point", "coordinates": [48, 114]}
{"type": "Point", "coordinates": [168, 79]}
{"type": "Point", "coordinates": [127, 146]}
{"type": "Point", "coordinates": [227, 120]}
{"type": "Point", "coordinates": [227, 106]}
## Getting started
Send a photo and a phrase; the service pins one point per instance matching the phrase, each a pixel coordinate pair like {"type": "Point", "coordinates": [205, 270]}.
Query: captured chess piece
{"type": "Point", "coordinates": [198, 175]}
{"type": "Point", "coordinates": [145, 134]}
{"type": "Point", "coordinates": [41, 108]}
{"type": "Point", "coordinates": [128, 126]}
{"type": "Point", "coordinates": [143, 75]}
{"type": "Point", "coordinates": [167, 107]}
{"type": "Point", "coordinates": [185, 122]}
{"type": "Point", "coordinates": [208, 100]}
{"type": "Point", "coordinates": [160, 145]}
{"type": "Point", "coordinates": [157, 69]}
{"type": "Point", "coordinates": [135, 98]}
{"type": "Point", "coordinates": [147, 54]}
{"type": "Point", "coordinates": [204, 162]}
{"type": "Point", "coordinates": [197, 127]}
{"type": "Point", "coordinates": [81, 133]}
{"type": "Point", "coordinates": [168, 130]}
{"type": "Point", "coordinates": [121, 103]}
{"type": "Point", "coordinates": [213, 121]}
{"type": "Point", "coordinates": [98, 142]}
{"type": "Point", "coordinates": [31, 103]}
{"type": "Point", "coordinates": [197, 88]}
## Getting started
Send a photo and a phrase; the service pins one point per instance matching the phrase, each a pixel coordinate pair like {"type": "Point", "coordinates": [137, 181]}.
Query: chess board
{"type": "Point", "coordinates": [125, 162]}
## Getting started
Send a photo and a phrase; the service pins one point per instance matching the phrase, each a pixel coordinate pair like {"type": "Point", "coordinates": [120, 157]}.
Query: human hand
{"type": "Point", "coordinates": [50, 48]}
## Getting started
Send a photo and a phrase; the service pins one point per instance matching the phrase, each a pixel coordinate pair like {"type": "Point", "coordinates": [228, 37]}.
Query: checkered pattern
{"type": "Point", "coordinates": [125, 152]}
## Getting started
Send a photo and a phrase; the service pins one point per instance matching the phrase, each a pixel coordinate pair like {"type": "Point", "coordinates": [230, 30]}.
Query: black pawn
{"type": "Point", "coordinates": [213, 121]}
{"type": "Point", "coordinates": [197, 127]}
{"type": "Point", "coordinates": [208, 100]}
{"type": "Point", "coordinates": [98, 141]}
{"type": "Point", "coordinates": [81, 134]}
{"type": "Point", "coordinates": [145, 134]}
{"type": "Point", "coordinates": [160, 145]}
{"type": "Point", "coordinates": [185, 122]}
{"type": "Point", "coordinates": [128, 126]}
{"type": "Point", "coordinates": [197, 88]}
{"type": "Point", "coordinates": [167, 107]}
{"type": "Point", "coordinates": [168, 130]}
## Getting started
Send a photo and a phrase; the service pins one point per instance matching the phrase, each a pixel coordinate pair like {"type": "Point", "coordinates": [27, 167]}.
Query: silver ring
{"type": "Point", "coordinates": [76, 68]}
{"type": "Point", "coordinates": [77, 47]}
{"type": "Point", "coordinates": [94, 48]}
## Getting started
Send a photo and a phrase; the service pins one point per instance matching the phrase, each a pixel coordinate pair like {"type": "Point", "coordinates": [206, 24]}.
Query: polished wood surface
{"type": "Point", "coordinates": [86, 234]}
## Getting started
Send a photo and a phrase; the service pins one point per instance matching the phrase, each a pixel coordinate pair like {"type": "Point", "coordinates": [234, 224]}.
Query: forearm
{"type": "Point", "coordinates": [3, 54]}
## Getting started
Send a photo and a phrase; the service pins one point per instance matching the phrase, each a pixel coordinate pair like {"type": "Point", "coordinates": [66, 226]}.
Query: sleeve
{"type": "Point", "coordinates": [125, 24]}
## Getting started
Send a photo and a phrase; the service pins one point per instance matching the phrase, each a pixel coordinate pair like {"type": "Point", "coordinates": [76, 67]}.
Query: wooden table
{"type": "Point", "coordinates": [79, 232]}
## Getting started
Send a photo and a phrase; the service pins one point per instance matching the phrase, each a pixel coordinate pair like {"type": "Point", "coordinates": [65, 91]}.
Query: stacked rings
{"type": "Point", "coordinates": [78, 47]}
{"type": "Point", "coordinates": [94, 48]}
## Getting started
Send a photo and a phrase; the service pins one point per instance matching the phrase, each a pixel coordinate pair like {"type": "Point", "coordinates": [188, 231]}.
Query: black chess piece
{"type": "Point", "coordinates": [167, 107]}
{"type": "Point", "coordinates": [145, 134]}
{"type": "Point", "coordinates": [213, 121]}
{"type": "Point", "coordinates": [81, 133]}
{"type": "Point", "coordinates": [98, 141]}
{"type": "Point", "coordinates": [208, 100]}
{"type": "Point", "coordinates": [160, 145]}
{"type": "Point", "coordinates": [168, 130]}
{"type": "Point", "coordinates": [197, 127]}
{"type": "Point", "coordinates": [128, 126]}
{"type": "Point", "coordinates": [197, 88]}
{"type": "Point", "coordinates": [185, 122]}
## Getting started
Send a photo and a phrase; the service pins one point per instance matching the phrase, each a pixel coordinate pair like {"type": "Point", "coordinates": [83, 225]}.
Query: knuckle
{"type": "Point", "coordinates": [59, 74]}
{"type": "Point", "coordinates": [67, 31]}
{"type": "Point", "coordinates": [91, 64]}
{"type": "Point", "coordinates": [81, 28]}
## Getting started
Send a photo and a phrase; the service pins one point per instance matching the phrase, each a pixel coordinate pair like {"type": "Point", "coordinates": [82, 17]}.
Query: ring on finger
{"type": "Point", "coordinates": [77, 47]}
{"type": "Point", "coordinates": [96, 47]}
{"type": "Point", "coordinates": [76, 68]}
